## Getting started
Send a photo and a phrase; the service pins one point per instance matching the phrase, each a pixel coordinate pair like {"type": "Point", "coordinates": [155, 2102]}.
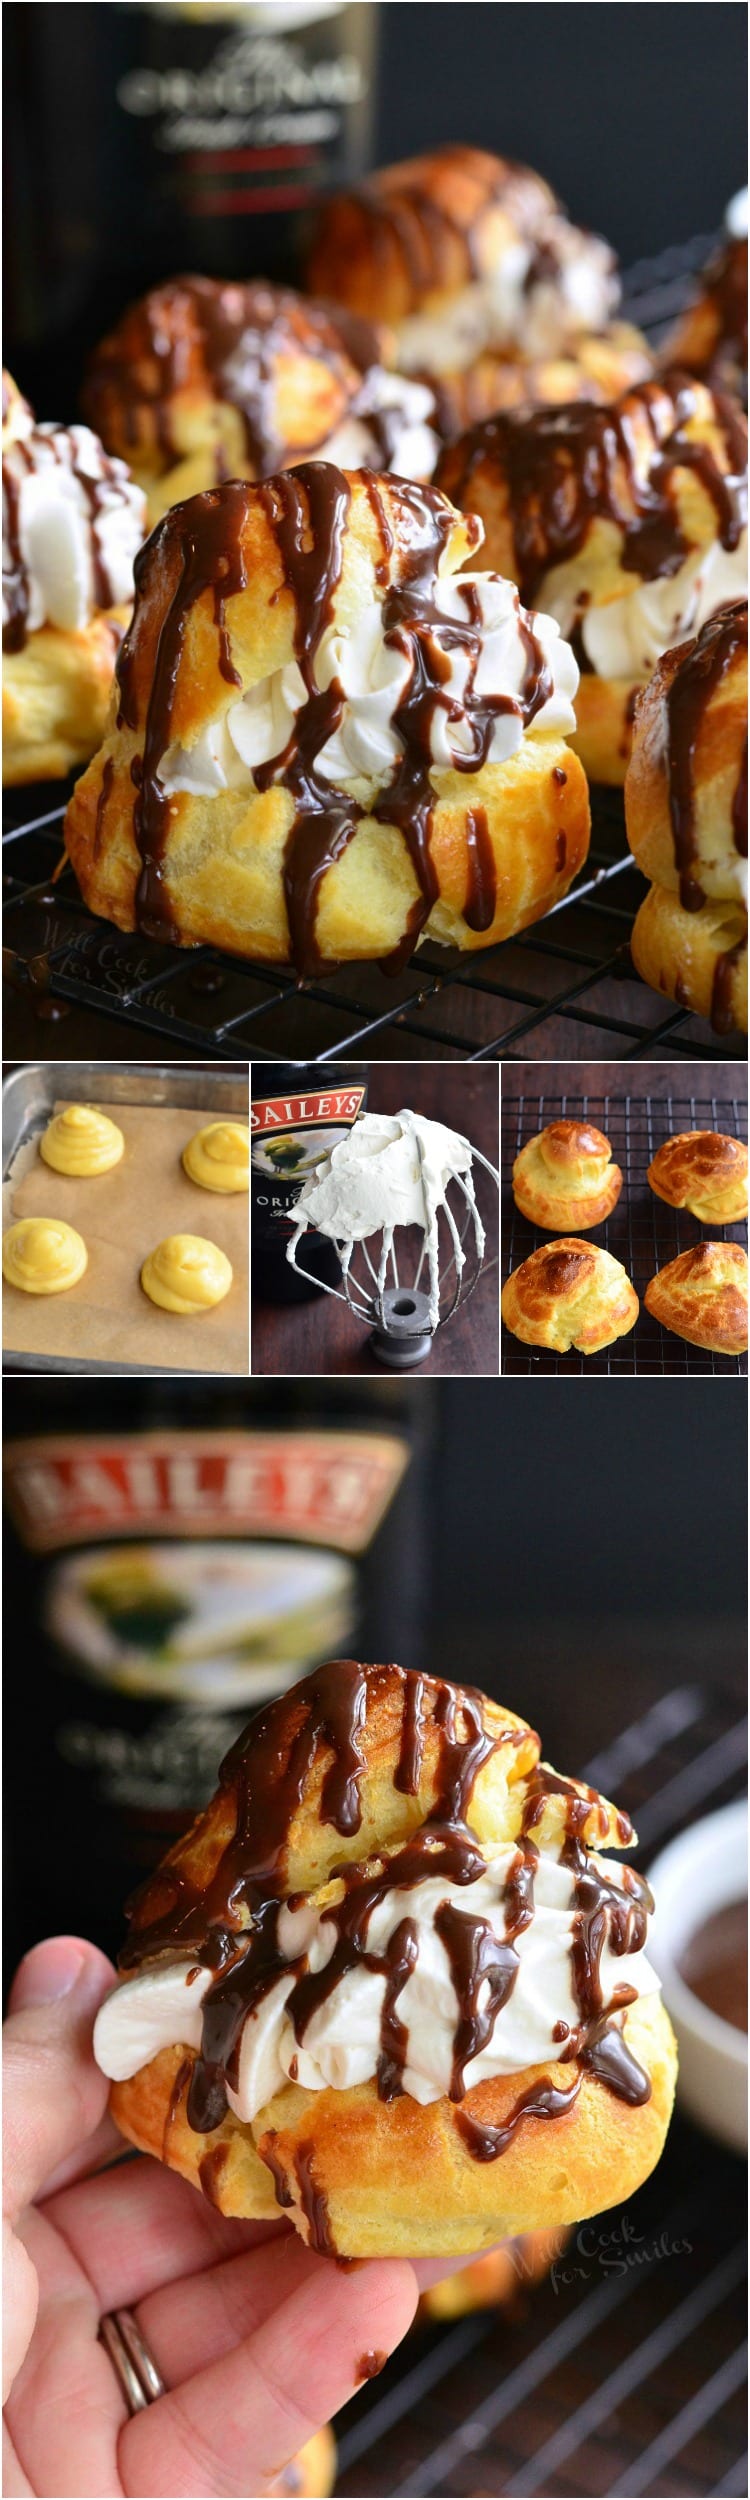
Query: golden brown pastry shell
{"type": "Point", "coordinates": [397, 2178]}
{"type": "Point", "coordinates": [569, 1294]}
{"type": "Point", "coordinates": [605, 362]}
{"type": "Point", "coordinates": [694, 956]}
{"type": "Point", "coordinates": [223, 861]}
{"type": "Point", "coordinates": [566, 1175]}
{"type": "Point", "coordinates": [56, 697]}
{"type": "Point", "coordinates": [702, 1296]}
{"type": "Point", "coordinates": [718, 760]}
{"type": "Point", "coordinates": [704, 1171]}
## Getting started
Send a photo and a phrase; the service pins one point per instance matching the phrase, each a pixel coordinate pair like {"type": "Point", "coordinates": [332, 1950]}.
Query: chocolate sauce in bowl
{"type": "Point", "coordinates": [713, 1963]}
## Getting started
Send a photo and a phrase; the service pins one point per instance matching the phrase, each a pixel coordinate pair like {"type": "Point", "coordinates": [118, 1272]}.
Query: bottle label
{"type": "Point", "coordinates": [289, 1133]}
{"type": "Point", "coordinates": [315, 1487]}
{"type": "Point", "coordinates": [215, 1626]}
{"type": "Point", "coordinates": [250, 118]}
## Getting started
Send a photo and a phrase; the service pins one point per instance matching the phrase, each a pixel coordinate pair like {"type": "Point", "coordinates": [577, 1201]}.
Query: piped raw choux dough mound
{"type": "Point", "coordinates": [569, 1294]}
{"type": "Point", "coordinates": [389, 1985]}
{"type": "Point", "coordinates": [73, 521]}
{"type": "Point", "coordinates": [626, 523]}
{"type": "Point", "coordinates": [567, 1176]}
{"type": "Point", "coordinates": [82, 1141]}
{"type": "Point", "coordinates": [686, 817]}
{"type": "Point", "coordinates": [218, 1157]}
{"type": "Point", "coordinates": [702, 1296]}
{"type": "Point", "coordinates": [704, 1171]}
{"type": "Point", "coordinates": [43, 1255]}
{"type": "Point", "coordinates": [186, 1274]}
{"type": "Point", "coordinates": [482, 277]}
{"type": "Point", "coordinates": [330, 743]}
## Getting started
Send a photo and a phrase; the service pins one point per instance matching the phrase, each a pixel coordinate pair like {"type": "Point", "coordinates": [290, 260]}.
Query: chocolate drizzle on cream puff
{"type": "Point", "coordinates": [201, 333]}
{"type": "Point", "coordinates": [567, 467]}
{"type": "Point", "coordinates": [200, 546]}
{"type": "Point", "coordinates": [201, 542]}
{"type": "Point", "coordinates": [232, 1925]}
{"type": "Point", "coordinates": [700, 671]}
{"type": "Point", "coordinates": [102, 490]}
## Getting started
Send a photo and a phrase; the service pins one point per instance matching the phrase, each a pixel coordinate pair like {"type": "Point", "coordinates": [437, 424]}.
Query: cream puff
{"type": "Point", "coordinates": [698, 958]}
{"type": "Point", "coordinates": [205, 379]}
{"type": "Point", "coordinates": [627, 524]}
{"type": "Point", "coordinates": [569, 1294]}
{"type": "Point", "coordinates": [186, 1274]}
{"type": "Point", "coordinates": [73, 521]}
{"type": "Point", "coordinates": [567, 1176]}
{"type": "Point", "coordinates": [82, 1142]}
{"type": "Point", "coordinates": [704, 1171]}
{"type": "Point", "coordinates": [474, 264]}
{"type": "Point", "coordinates": [388, 1984]}
{"type": "Point", "coordinates": [711, 337]}
{"type": "Point", "coordinates": [329, 743]}
{"type": "Point", "coordinates": [686, 818]}
{"type": "Point", "coordinates": [702, 1296]}
{"type": "Point", "coordinates": [43, 1255]}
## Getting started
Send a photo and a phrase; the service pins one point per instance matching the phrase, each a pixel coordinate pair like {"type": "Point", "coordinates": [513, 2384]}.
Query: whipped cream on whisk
{"type": "Point", "coordinates": [390, 1171]}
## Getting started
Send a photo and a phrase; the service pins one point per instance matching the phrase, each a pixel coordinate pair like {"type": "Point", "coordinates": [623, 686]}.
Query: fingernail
{"type": "Point", "coordinates": [49, 1972]}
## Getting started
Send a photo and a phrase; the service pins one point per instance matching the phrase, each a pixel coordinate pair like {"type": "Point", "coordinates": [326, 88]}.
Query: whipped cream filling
{"type": "Point", "coordinates": [391, 427]}
{"type": "Point", "coordinates": [626, 637]}
{"type": "Point", "coordinates": [73, 521]}
{"type": "Point", "coordinates": [373, 676]}
{"type": "Point", "coordinates": [385, 1173]}
{"type": "Point", "coordinates": [162, 2006]}
{"type": "Point", "coordinates": [537, 301]}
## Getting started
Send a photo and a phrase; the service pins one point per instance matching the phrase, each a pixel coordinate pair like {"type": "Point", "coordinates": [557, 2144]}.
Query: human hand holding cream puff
{"type": "Point", "coordinates": [389, 1985]}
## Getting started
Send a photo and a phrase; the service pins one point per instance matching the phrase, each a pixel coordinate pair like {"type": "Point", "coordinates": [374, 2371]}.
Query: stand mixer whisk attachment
{"type": "Point", "coordinates": [394, 1173]}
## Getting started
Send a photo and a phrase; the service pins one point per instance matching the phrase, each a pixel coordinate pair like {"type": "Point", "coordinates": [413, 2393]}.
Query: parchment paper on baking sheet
{"type": "Point", "coordinates": [107, 1318]}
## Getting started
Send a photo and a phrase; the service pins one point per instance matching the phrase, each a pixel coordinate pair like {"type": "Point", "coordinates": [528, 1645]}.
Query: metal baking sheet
{"type": "Point", "coordinates": [29, 1097]}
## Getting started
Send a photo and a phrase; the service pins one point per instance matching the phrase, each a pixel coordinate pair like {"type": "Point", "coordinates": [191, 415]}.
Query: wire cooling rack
{"type": "Point", "coordinates": [643, 1233]}
{"type": "Point", "coordinates": [564, 990]}
{"type": "Point", "coordinates": [625, 2372]}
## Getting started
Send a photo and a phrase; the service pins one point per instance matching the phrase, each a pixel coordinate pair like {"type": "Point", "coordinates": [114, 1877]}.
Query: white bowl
{"type": "Point", "coordinates": [704, 1871]}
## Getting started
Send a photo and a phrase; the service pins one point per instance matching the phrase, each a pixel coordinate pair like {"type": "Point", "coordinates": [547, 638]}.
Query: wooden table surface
{"type": "Point", "coordinates": [321, 1335]}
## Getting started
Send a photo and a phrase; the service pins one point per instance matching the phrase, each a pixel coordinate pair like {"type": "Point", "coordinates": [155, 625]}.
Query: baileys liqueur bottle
{"type": "Point", "coordinates": [176, 1555]}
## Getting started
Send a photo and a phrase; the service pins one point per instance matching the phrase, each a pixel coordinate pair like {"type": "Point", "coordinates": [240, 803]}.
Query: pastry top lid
{"type": "Point", "coordinates": [352, 1762]}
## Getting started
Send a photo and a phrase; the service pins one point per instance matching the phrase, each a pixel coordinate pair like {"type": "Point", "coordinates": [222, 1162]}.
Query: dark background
{"type": "Point", "coordinates": [636, 114]}
{"type": "Point", "coordinates": [587, 1548]}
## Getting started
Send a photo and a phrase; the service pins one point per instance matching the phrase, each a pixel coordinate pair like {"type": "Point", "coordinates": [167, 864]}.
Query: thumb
{"type": "Point", "coordinates": [53, 2095]}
